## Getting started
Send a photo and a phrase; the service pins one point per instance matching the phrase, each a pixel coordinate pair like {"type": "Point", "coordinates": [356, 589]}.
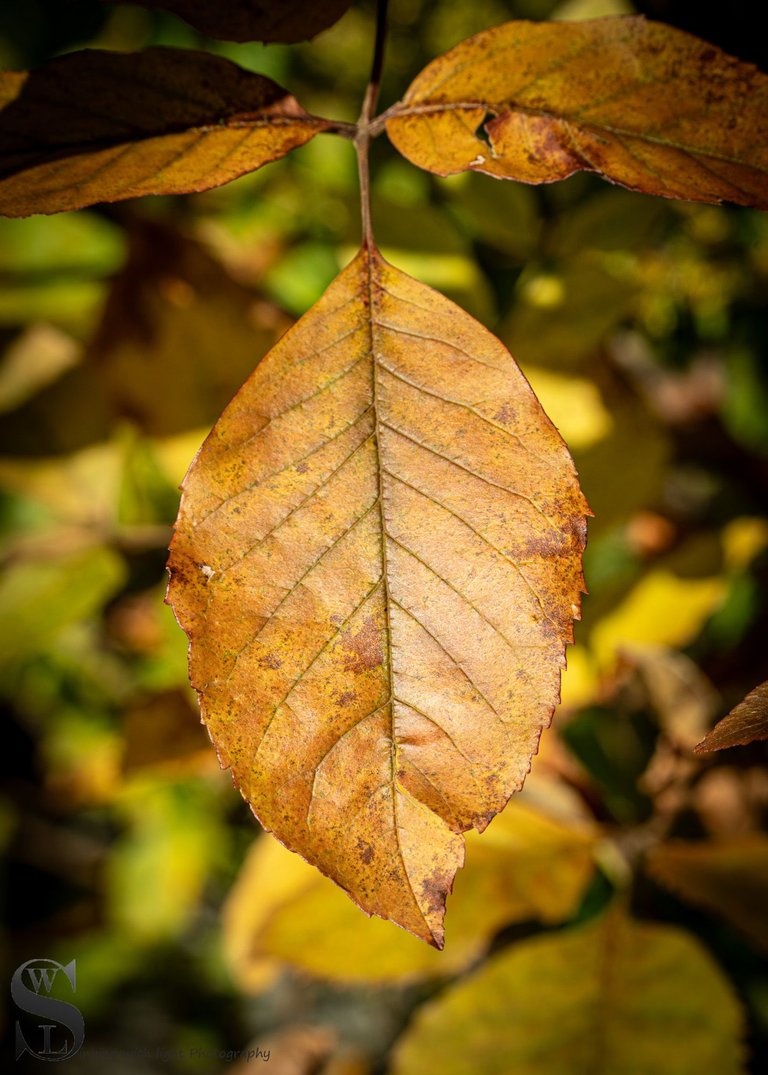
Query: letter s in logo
{"type": "Point", "coordinates": [56, 1013]}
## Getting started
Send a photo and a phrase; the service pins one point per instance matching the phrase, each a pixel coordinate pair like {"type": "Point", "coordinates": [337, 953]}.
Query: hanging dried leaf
{"type": "Point", "coordinates": [256, 20]}
{"type": "Point", "coordinates": [377, 561]}
{"type": "Point", "coordinates": [745, 723]}
{"type": "Point", "coordinates": [102, 126]}
{"type": "Point", "coordinates": [615, 995]}
{"type": "Point", "coordinates": [729, 877]}
{"type": "Point", "coordinates": [640, 103]}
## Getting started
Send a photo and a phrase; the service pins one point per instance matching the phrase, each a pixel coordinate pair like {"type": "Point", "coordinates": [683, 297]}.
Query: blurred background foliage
{"type": "Point", "coordinates": [124, 331]}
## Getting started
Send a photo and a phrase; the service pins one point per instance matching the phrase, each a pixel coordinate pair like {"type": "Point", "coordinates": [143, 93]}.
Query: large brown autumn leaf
{"type": "Point", "coordinates": [643, 104]}
{"type": "Point", "coordinates": [101, 126]}
{"type": "Point", "coordinates": [377, 561]}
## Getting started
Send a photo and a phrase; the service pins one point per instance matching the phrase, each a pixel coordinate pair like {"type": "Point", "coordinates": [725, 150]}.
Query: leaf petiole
{"type": "Point", "coordinates": [363, 136]}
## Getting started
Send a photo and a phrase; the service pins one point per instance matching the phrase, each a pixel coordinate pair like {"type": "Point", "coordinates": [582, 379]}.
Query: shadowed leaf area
{"type": "Point", "coordinates": [256, 20]}
{"type": "Point", "coordinates": [377, 561]}
{"type": "Point", "coordinates": [642, 104]}
{"type": "Point", "coordinates": [728, 877]}
{"type": "Point", "coordinates": [101, 126]}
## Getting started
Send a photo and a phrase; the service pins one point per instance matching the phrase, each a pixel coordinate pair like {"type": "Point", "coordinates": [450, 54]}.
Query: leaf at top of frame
{"type": "Point", "coordinates": [378, 561]}
{"type": "Point", "coordinates": [745, 723]}
{"type": "Point", "coordinates": [256, 20]}
{"type": "Point", "coordinates": [642, 104]}
{"type": "Point", "coordinates": [99, 126]}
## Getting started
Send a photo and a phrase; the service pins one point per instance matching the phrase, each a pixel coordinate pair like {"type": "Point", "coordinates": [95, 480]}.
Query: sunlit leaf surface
{"type": "Point", "coordinates": [643, 104]}
{"type": "Point", "coordinates": [377, 561]}
{"type": "Point", "coordinates": [281, 911]}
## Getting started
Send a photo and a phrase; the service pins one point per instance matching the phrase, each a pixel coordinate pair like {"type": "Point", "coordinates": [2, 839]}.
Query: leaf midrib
{"type": "Point", "coordinates": [371, 256]}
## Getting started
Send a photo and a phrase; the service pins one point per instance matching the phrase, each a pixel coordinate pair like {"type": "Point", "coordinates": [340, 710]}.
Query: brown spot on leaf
{"type": "Point", "coordinates": [505, 415]}
{"type": "Point", "coordinates": [363, 650]}
{"type": "Point", "coordinates": [366, 851]}
{"type": "Point", "coordinates": [434, 890]}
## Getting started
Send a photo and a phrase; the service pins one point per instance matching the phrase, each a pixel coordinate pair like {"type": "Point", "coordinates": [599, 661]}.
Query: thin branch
{"type": "Point", "coordinates": [374, 83]}
{"type": "Point", "coordinates": [363, 137]}
{"type": "Point", "coordinates": [338, 126]}
{"type": "Point", "coordinates": [379, 123]}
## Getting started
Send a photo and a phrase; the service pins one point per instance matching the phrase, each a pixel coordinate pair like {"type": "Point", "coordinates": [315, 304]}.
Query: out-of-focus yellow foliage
{"type": "Point", "coordinates": [40, 355]}
{"type": "Point", "coordinates": [574, 405]}
{"type": "Point", "coordinates": [525, 865]}
{"type": "Point", "coordinates": [662, 609]}
{"type": "Point", "coordinates": [640, 998]}
{"type": "Point", "coordinates": [579, 682]}
{"type": "Point", "coordinates": [743, 540]}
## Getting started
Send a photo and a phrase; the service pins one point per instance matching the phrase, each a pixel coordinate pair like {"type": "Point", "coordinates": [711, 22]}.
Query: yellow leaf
{"type": "Point", "coordinates": [579, 684]}
{"type": "Point", "coordinates": [643, 104]}
{"type": "Point", "coordinates": [574, 404]}
{"type": "Point", "coordinates": [743, 539]}
{"type": "Point", "coordinates": [662, 610]}
{"type": "Point", "coordinates": [526, 865]}
{"type": "Point", "coordinates": [615, 995]}
{"type": "Point", "coordinates": [377, 561]}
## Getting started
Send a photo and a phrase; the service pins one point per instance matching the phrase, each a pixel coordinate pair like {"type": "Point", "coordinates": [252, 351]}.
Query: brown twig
{"type": "Point", "coordinates": [363, 136]}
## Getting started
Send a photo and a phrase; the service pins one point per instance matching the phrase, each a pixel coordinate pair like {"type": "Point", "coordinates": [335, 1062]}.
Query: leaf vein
{"type": "Point", "coordinates": [329, 641]}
